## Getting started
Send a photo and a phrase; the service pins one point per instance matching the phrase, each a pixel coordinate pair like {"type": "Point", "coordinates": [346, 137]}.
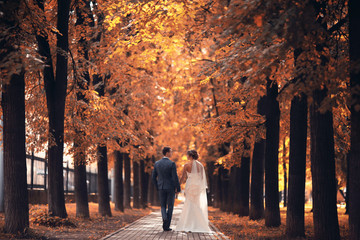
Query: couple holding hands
{"type": "Point", "coordinates": [194, 215]}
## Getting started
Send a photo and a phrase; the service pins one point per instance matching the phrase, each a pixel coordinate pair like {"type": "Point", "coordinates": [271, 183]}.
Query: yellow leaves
{"type": "Point", "coordinates": [178, 88]}
{"type": "Point", "coordinates": [205, 81]}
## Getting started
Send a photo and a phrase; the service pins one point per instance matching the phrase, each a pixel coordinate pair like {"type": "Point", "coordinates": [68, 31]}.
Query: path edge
{"type": "Point", "coordinates": [123, 228]}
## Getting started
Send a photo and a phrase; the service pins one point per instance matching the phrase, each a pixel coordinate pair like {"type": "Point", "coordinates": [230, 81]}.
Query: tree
{"type": "Point", "coordinates": [285, 172]}
{"type": "Point", "coordinates": [103, 182]}
{"type": "Point", "coordinates": [244, 183]}
{"type": "Point", "coordinates": [13, 109]}
{"type": "Point", "coordinates": [297, 167]}
{"type": "Point", "coordinates": [136, 186]}
{"type": "Point", "coordinates": [118, 178]}
{"type": "Point", "coordinates": [272, 210]}
{"type": "Point", "coordinates": [127, 181]}
{"type": "Point", "coordinates": [81, 195]}
{"type": "Point", "coordinates": [325, 216]}
{"type": "Point", "coordinates": [55, 96]}
{"type": "Point", "coordinates": [15, 185]}
{"type": "Point", "coordinates": [257, 171]}
{"type": "Point", "coordinates": [144, 180]}
{"type": "Point", "coordinates": [354, 178]}
{"type": "Point", "coordinates": [257, 181]}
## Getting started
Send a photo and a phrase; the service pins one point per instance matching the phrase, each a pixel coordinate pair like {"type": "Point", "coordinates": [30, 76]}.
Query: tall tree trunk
{"type": "Point", "coordinates": [272, 210]}
{"type": "Point", "coordinates": [285, 172]}
{"type": "Point", "coordinates": [347, 182]}
{"type": "Point", "coordinates": [127, 181]}
{"type": "Point", "coordinates": [244, 172]}
{"type": "Point", "coordinates": [13, 109]}
{"type": "Point", "coordinates": [257, 172]}
{"type": "Point", "coordinates": [210, 174]}
{"type": "Point", "coordinates": [56, 95]}
{"type": "Point", "coordinates": [325, 216]}
{"type": "Point", "coordinates": [119, 185]}
{"type": "Point", "coordinates": [297, 167]}
{"type": "Point", "coordinates": [144, 183]}
{"type": "Point", "coordinates": [218, 193]}
{"type": "Point", "coordinates": [257, 181]}
{"type": "Point", "coordinates": [136, 187]}
{"type": "Point", "coordinates": [81, 194]}
{"type": "Point", "coordinates": [103, 182]}
{"type": "Point", "coordinates": [153, 193]}
{"type": "Point", "coordinates": [225, 180]}
{"type": "Point", "coordinates": [234, 194]}
{"type": "Point", "coordinates": [354, 183]}
{"type": "Point", "coordinates": [15, 185]}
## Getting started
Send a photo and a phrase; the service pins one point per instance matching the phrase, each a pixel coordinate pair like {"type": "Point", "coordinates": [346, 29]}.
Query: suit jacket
{"type": "Point", "coordinates": [164, 175]}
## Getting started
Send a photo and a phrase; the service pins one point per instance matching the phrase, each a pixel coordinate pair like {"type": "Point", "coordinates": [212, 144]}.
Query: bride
{"type": "Point", "coordinates": [194, 215]}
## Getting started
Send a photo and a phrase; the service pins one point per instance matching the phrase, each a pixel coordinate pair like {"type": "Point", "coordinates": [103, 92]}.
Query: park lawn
{"type": "Point", "coordinates": [237, 227]}
{"type": "Point", "coordinates": [93, 228]}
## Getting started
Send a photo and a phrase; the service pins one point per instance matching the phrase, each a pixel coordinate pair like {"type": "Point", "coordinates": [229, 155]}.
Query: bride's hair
{"type": "Point", "coordinates": [193, 154]}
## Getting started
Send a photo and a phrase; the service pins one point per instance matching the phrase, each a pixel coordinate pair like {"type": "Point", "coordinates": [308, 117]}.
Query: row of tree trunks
{"type": "Point", "coordinates": [354, 163]}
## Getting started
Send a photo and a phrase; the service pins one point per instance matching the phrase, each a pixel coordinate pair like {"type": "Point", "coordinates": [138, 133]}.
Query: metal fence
{"type": "Point", "coordinates": [37, 176]}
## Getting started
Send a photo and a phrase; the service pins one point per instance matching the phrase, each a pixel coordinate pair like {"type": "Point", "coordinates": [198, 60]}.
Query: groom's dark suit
{"type": "Point", "coordinates": [166, 181]}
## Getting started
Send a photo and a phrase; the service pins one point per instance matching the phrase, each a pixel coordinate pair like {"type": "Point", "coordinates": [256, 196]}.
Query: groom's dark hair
{"type": "Point", "coordinates": [166, 150]}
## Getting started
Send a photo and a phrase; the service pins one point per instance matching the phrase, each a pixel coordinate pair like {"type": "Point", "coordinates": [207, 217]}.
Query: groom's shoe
{"type": "Point", "coordinates": [167, 229]}
{"type": "Point", "coordinates": [165, 225]}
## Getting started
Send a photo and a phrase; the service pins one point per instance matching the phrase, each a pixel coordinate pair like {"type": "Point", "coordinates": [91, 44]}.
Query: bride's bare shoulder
{"type": "Point", "coordinates": [187, 166]}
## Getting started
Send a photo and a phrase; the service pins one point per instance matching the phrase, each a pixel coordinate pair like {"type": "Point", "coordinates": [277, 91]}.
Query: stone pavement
{"type": "Point", "coordinates": [150, 227]}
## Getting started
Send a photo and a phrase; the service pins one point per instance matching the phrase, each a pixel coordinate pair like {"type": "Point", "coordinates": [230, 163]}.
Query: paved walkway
{"type": "Point", "coordinates": [150, 227]}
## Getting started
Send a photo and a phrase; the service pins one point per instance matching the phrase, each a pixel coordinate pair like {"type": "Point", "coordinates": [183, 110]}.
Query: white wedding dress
{"type": "Point", "coordinates": [194, 215]}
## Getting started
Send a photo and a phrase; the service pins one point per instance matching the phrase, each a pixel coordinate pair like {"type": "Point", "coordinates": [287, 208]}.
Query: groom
{"type": "Point", "coordinates": [166, 180]}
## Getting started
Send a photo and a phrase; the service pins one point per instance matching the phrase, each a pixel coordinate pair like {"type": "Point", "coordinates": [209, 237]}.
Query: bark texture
{"type": "Point", "coordinates": [297, 167]}
{"type": "Point", "coordinates": [55, 96]}
{"type": "Point", "coordinates": [354, 171]}
{"type": "Point", "coordinates": [119, 184]}
{"type": "Point", "coordinates": [272, 210]}
{"type": "Point", "coordinates": [127, 181]}
{"type": "Point", "coordinates": [13, 110]}
{"type": "Point", "coordinates": [325, 216]}
{"type": "Point", "coordinates": [15, 185]}
{"type": "Point", "coordinates": [103, 182]}
{"type": "Point", "coordinates": [136, 188]}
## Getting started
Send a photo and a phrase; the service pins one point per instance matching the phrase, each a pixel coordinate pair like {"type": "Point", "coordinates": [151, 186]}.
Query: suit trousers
{"type": "Point", "coordinates": [167, 198]}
